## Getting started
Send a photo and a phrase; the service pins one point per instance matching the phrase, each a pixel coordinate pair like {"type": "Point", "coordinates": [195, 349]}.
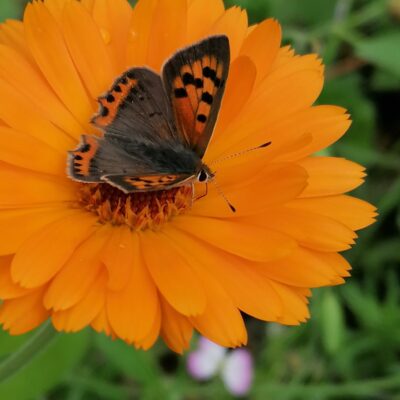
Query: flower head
{"type": "Point", "coordinates": [137, 266]}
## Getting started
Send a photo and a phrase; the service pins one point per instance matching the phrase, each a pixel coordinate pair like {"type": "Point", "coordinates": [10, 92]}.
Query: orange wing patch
{"type": "Point", "coordinates": [194, 92]}
{"type": "Point", "coordinates": [110, 102]}
{"type": "Point", "coordinates": [81, 158]}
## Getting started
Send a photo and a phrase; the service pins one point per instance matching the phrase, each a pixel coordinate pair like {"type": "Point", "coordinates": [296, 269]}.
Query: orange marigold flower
{"type": "Point", "coordinates": [142, 265]}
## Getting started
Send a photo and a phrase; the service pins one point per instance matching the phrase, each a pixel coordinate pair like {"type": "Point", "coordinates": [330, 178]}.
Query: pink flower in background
{"type": "Point", "coordinates": [234, 367]}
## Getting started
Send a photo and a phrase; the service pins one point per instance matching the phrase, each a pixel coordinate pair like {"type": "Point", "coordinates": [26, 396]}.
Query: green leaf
{"type": "Point", "coordinates": [304, 12]}
{"type": "Point", "coordinates": [257, 10]}
{"type": "Point", "coordinates": [382, 50]}
{"type": "Point", "coordinates": [332, 323]}
{"type": "Point", "coordinates": [47, 369]}
{"type": "Point", "coordinates": [133, 363]}
{"type": "Point", "coordinates": [385, 81]}
{"type": "Point", "coordinates": [9, 344]}
{"type": "Point", "coordinates": [383, 252]}
{"type": "Point", "coordinates": [10, 9]}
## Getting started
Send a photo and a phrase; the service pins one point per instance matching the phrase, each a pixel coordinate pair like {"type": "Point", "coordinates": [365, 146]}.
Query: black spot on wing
{"type": "Point", "coordinates": [210, 73]}
{"type": "Point", "coordinates": [199, 83]}
{"type": "Point", "coordinates": [85, 148]}
{"type": "Point", "coordinates": [181, 93]}
{"type": "Point", "coordinates": [131, 75]}
{"type": "Point", "coordinates": [188, 79]}
{"type": "Point", "coordinates": [207, 98]}
{"type": "Point", "coordinates": [110, 98]}
{"type": "Point", "coordinates": [104, 111]}
{"type": "Point", "coordinates": [201, 118]}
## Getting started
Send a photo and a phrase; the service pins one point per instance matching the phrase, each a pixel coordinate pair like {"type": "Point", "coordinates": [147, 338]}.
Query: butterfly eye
{"type": "Point", "coordinates": [202, 176]}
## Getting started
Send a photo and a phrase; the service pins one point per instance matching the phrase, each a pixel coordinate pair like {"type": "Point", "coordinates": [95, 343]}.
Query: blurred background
{"type": "Point", "coordinates": [350, 349]}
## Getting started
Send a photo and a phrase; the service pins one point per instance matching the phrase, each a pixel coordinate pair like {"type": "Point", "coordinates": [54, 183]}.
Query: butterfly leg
{"type": "Point", "coordinates": [201, 196]}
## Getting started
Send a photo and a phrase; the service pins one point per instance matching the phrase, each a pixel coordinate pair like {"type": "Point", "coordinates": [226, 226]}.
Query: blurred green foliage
{"type": "Point", "coordinates": [350, 349]}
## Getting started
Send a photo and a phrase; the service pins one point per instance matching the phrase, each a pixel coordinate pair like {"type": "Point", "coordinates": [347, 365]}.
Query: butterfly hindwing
{"type": "Point", "coordinates": [194, 80]}
{"type": "Point", "coordinates": [111, 158]}
{"type": "Point", "coordinates": [147, 183]}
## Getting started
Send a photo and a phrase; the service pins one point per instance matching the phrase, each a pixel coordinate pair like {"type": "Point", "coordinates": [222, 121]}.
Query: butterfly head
{"type": "Point", "coordinates": [204, 174]}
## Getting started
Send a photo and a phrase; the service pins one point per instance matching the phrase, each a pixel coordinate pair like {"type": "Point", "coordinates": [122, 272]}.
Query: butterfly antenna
{"type": "Point", "coordinates": [222, 194]}
{"type": "Point", "coordinates": [240, 153]}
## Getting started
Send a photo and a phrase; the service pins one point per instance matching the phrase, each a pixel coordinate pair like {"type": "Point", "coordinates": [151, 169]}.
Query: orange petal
{"type": "Point", "coordinates": [140, 32]}
{"type": "Point", "coordinates": [26, 79]}
{"type": "Point", "coordinates": [176, 330]}
{"type": "Point", "coordinates": [89, 4]}
{"type": "Point", "coordinates": [338, 263]}
{"type": "Point", "coordinates": [12, 34]}
{"type": "Point", "coordinates": [304, 268]}
{"type": "Point", "coordinates": [23, 314]}
{"type": "Point", "coordinates": [296, 86]}
{"type": "Point", "coordinates": [56, 7]}
{"type": "Point", "coordinates": [87, 48]}
{"type": "Point", "coordinates": [23, 115]}
{"type": "Point", "coordinates": [8, 288]}
{"type": "Point", "coordinates": [262, 46]}
{"type": "Point", "coordinates": [331, 175]}
{"type": "Point", "coordinates": [354, 213]}
{"type": "Point", "coordinates": [114, 20]}
{"type": "Point", "coordinates": [133, 309]}
{"type": "Point", "coordinates": [233, 23]}
{"type": "Point", "coordinates": [152, 336]}
{"type": "Point", "coordinates": [168, 31]}
{"type": "Point", "coordinates": [309, 229]}
{"type": "Point", "coordinates": [249, 290]}
{"type": "Point", "coordinates": [276, 184]}
{"type": "Point", "coordinates": [239, 87]}
{"type": "Point", "coordinates": [238, 237]}
{"type": "Point", "coordinates": [321, 125]}
{"type": "Point", "coordinates": [17, 225]}
{"type": "Point", "coordinates": [77, 276]}
{"type": "Point", "coordinates": [119, 256]}
{"type": "Point", "coordinates": [202, 15]}
{"type": "Point", "coordinates": [44, 254]}
{"type": "Point", "coordinates": [51, 54]}
{"type": "Point", "coordinates": [102, 324]}
{"type": "Point", "coordinates": [177, 282]}
{"type": "Point", "coordinates": [17, 148]}
{"type": "Point", "coordinates": [326, 124]}
{"type": "Point", "coordinates": [20, 188]}
{"type": "Point", "coordinates": [283, 93]}
{"type": "Point", "coordinates": [84, 312]}
{"type": "Point", "coordinates": [294, 303]}
{"type": "Point", "coordinates": [221, 321]}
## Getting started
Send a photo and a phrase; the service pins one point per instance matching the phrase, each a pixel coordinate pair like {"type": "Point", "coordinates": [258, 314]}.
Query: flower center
{"type": "Point", "coordinates": [137, 210]}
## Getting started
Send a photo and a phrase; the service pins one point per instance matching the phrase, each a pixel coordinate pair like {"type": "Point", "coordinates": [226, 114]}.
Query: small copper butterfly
{"type": "Point", "coordinates": [157, 127]}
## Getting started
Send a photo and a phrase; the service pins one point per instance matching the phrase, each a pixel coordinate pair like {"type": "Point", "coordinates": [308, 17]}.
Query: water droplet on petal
{"type": "Point", "coordinates": [105, 35]}
{"type": "Point", "coordinates": [132, 36]}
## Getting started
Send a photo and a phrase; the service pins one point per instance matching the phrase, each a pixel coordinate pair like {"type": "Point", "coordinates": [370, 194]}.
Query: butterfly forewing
{"type": "Point", "coordinates": [194, 80]}
{"type": "Point", "coordinates": [137, 108]}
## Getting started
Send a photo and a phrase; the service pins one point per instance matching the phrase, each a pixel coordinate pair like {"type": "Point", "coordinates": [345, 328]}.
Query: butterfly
{"type": "Point", "coordinates": [157, 127]}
